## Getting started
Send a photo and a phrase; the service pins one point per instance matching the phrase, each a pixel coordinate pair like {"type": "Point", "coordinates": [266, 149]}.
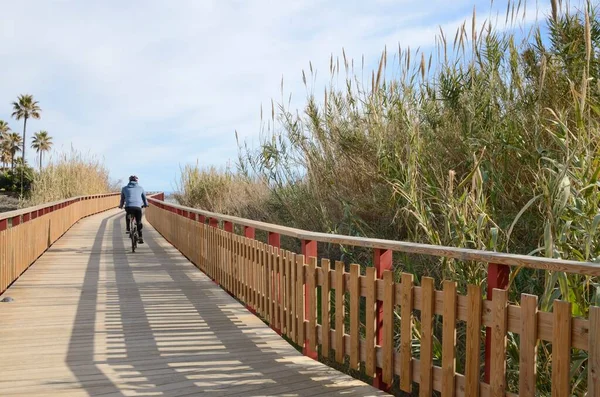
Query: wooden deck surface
{"type": "Point", "coordinates": [92, 318]}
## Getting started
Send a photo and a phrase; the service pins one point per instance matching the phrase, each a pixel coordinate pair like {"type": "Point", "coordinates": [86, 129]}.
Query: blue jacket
{"type": "Point", "coordinates": [133, 195]}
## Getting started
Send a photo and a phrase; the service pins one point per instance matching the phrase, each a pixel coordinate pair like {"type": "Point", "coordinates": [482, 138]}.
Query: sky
{"type": "Point", "coordinates": [149, 86]}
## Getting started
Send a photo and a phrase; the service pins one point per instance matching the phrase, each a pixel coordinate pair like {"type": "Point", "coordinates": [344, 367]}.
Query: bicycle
{"type": "Point", "coordinates": [133, 231]}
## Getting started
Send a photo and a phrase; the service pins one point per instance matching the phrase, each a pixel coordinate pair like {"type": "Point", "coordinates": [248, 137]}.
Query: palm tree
{"type": "Point", "coordinates": [4, 129]}
{"type": "Point", "coordinates": [42, 142]}
{"type": "Point", "coordinates": [5, 155]}
{"type": "Point", "coordinates": [25, 108]}
{"type": "Point", "coordinates": [13, 144]}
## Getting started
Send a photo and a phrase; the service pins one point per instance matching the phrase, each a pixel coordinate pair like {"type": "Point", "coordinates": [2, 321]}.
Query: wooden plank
{"type": "Point", "coordinates": [339, 312]}
{"type": "Point", "coordinates": [273, 287]}
{"type": "Point", "coordinates": [561, 349]}
{"type": "Point", "coordinates": [312, 302]}
{"type": "Point", "coordinates": [267, 292]}
{"type": "Point", "coordinates": [388, 328]}
{"type": "Point", "coordinates": [472, 360]}
{"type": "Point", "coordinates": [498, 353]}
{"type": "Point", "coordinates": [294, 296]}
{"type": "Point", "coordinates": [354, 316]}
{"type": "Point", "coordinates": [426, 361]}
{"type": "Point", "coordinates": [257, 275]}
{"type": "Point", "coordinates": [528, 345]}
{"type": "Point", "coordinates": [370, 325]}
{"type": "Point", "coordinates": [594, 353]}
{"type": "Point", "coordinates": [300, 299]}
{"type": "Point", "coordinates": [449, 340]}
{"type": "Point", "coordinates": [282, 289]}
{"type": "Point", "coordinates": [325, 308]}
{"type": "Point", "coordinates": [290, 282]}
{"type": "Point", "coordinates": [406, 327]}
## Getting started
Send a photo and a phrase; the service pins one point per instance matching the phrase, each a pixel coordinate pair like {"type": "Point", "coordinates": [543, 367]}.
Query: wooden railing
{"type": "Point", "coordinates": [284, 288]}
{"type": "Point", "coordinates": [25, 234]}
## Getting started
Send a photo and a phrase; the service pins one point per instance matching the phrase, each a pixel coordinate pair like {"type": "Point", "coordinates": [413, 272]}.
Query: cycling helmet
{"type": "Point", "coordinates": [133, 178]}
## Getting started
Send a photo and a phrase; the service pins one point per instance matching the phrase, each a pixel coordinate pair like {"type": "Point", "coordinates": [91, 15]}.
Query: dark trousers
{"type": "Point", "coordinates": [137, 213]}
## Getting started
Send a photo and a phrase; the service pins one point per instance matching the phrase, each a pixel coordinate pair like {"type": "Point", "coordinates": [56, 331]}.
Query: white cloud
{"type": "Point", "coordinates": [178, 77]}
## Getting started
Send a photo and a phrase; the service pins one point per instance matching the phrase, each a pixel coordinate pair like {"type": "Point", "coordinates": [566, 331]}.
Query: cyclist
{"type": "Point", "coordinates": [134, 199]}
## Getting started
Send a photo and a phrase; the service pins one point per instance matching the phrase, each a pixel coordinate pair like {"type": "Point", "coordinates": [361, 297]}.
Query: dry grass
{"type": "Point", "coordinates": [222, 191]}
{"type": "Point", "coordinates": [68, 175]}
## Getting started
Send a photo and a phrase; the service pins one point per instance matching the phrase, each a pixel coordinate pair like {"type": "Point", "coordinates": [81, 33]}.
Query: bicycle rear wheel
{"type": "Point", "coordinates": [134, 234]}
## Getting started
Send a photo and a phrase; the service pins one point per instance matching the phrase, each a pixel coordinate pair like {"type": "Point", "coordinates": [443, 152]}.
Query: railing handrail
{"type": "Point", "coordinates": [26, 210]}
{"type": "Point", "coordinates": [533, 262]}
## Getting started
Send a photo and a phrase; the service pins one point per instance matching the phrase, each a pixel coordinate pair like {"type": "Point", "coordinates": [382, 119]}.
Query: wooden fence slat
{"type": "Point", "coordinates": [339, 312]}
{"type": "Point", "coordinates": [294, 296]}
{"type": "Point", "coordinates": [251, 273]}
{"type": "Point", "coordinates": [528, 345]}
{"type": "Point", "coordinates": [354, 313]}
{"type": "Point", "coordinates": [300, 299]}
{"type": "Point", "coordinates": [426, 361]}
{"type": "Point", "coordinates": [273, 288]}
{"type": "Point", "coordinates": [388, 327]}
{"type": "Point", "coordinates": [290, 281]}
{"type": "Point", "coordinates": [261, 285]}
{"type": "Point", "coordinates": [406, 328]}
{"type": "Point", "coordinates": [312, 302]}
{"type": "Point", "coordinates": [278, 256]}
{"type": "Point", "coordinates": [449, 339]}
{"type": "Point", "coordinates": [255, 275]}
{"type": "Point", "coordinates": [472, 361]}
{"type": "Point", "coordinates": [325, 307]}
{"type": "Point", "coordinates": [498, 354]}
{"type": "Point", "coordinates": [371, 307]}
{"type": "Point", "coordinates": [266, 289]}
{"type": "Point", "coordinates": [561, 349]}
{"type": "Point", "coordinates": [246, 272]}
{"type": "Point", "coordinates": [594, 352]}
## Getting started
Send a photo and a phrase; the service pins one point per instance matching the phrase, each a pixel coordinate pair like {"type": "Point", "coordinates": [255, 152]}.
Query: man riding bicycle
{"type": "Point", "coordinates": [134, 199]}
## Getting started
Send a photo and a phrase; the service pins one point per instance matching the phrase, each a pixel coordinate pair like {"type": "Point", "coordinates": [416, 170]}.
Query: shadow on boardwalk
{"type": "Point", "coordinates": [151, 324]}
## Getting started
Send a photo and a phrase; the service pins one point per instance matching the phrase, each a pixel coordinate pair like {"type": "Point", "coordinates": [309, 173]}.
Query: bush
{"type": "Point", "coordinates": [10, 180]}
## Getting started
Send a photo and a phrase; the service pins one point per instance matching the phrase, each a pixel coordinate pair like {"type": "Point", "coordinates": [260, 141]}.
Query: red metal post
{"type": "Point", "coordinates": [382, 260]}
{"type": "Point", "coordinates": [26, 217]}
{"type": "Point", "coordinates": [275, 239]}
{"type": "Point", "coordinates": [201, 219]}
{"type": "Point", "coordinates": [249, 232]}
{"type": "Point", "coordinates": [3, 224]}
{"type": "Point", "coordinates": [213, 222]}
{"type": "Point", "coordinates": [16, 220]}
{"type": "Point", "coordinates": [498, 277]}
{"type": "Point", "coordinates": [228, 226]}
{"type": "Point", "coordinates": [309, 249]}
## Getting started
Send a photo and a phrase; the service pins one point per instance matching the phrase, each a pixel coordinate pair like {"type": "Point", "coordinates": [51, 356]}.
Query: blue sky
{"type": "Point", "coordinates": [177, 78]}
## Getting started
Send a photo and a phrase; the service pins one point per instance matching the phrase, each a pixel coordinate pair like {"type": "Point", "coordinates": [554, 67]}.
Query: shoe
{"type": "Point", "coordinates": [140, 241]}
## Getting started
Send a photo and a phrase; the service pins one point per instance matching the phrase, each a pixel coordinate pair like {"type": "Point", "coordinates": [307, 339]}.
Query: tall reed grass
{"type": "Point", "coordinates": [68, 175]}
{"type": "Point", "coordinates": [490, 142]}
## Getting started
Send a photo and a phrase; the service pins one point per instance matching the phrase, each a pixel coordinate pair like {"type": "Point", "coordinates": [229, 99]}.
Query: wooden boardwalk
{"type": "Point", "coordinates": [91, 318]}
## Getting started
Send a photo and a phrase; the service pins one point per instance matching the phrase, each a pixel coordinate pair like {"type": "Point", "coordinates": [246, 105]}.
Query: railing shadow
{"type": "Point", "coordinates": [149, 323]}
